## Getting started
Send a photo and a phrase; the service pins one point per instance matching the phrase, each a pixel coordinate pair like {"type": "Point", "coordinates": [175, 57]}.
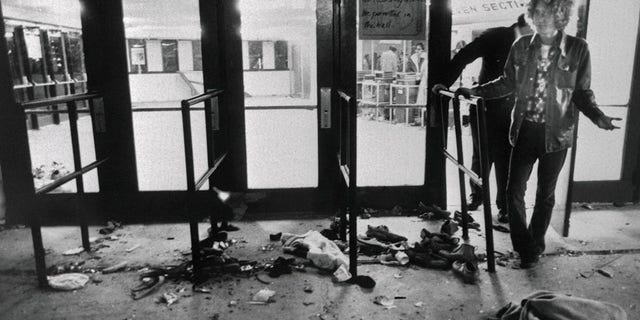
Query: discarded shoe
{"type": "Point", "coordinates": [457, 216]}
{"type": "Point", "coordinates": [464, 252]}
{"type": "Point", "coordinates": [433, 212]}
{"type": "Point", "coordinates": [426, 260]}
{"type": "Point", "coordinates": [449, 227]}
{"type": "Point", "coordinates": [466, 270]}
{"type": "Point", "coordinates": [382, 233]}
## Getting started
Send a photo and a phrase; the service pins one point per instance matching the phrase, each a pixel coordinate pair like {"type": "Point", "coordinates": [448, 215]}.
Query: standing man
{"type": "Point", "coordinates": [389, 61]}
{"type": "Point", "coordinates": [550, 75]}
{"type": "Point", "coordinates": [493, 47]}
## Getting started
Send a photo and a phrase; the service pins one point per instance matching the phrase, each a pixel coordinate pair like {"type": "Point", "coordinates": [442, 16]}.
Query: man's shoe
{"type": "Point", "coordinates": [528, 263]}
{"type": "Point", "coordinates": [475, 202]}
{"type": "Point", "coordinates": [467, 271]}
{"type": "Point", "coordinates": [503, 216]}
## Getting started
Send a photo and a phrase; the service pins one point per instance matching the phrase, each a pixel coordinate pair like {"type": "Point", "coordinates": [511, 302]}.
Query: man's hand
{"type": "Point", "coordinates": [606, 123]}
{"type": "Point", "coordinates": [465, 92]}
{"type": "Point", "coordinates": [436, 89]}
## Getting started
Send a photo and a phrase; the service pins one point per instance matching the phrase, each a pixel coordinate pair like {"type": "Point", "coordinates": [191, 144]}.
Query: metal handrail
{"type": "Point", "coordinates": [59, 100]}
{"type": "Point", "coordinates": [344, 96]}
{"type": "Point", "coordinates": [66, 178]}
{"type": "Point", "coordinates": [186, 103]}
{"type": "Point", "coordinates": [206, 175]}
{"type": "Point", "coordinates": [483, 181]}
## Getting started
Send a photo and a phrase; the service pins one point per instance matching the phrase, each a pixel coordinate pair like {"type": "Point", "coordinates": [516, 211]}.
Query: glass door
{"type": "Point", "coordinates": [279, 62]}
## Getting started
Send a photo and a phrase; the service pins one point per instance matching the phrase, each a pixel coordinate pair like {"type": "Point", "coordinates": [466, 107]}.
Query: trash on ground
{"type": "Point", "coordinates": [342, 274]}
{"type": "Point", "coordinates": [384, 301]}
{"type": "Point", "coordinates": [111, 226]}
{"type": "Point", "coordinates": [275, 236]}
{"type": "Point", "coordinates": [308, 289]}
{"type": "Point", "coordinates": [74, 251]}
{"type": "Point", "coordinates": [268, 247]}
{"type": "Point", "coordinates": [147, 287]}
{"type": "Point", "coordinates": [397, 276]}
{"type": "Point", "coordinates": [169, 298]}
{"type": "Point", "coordinates": [264, 296]}
{"type": "Point", "coordinates": [202, 290]}
{"type": "Point", "coordinates": [233, 303]}
{"type": "Point", "coordinates": [605, 273]}
{"type": "Point", "coordinates": [68, 281]}
{"type": "Point", "coordinates": [419, 304]}
{"type": "Point", "coordinates": [133, 248]}
{"type": "Point", "coordinates": [116, 267]}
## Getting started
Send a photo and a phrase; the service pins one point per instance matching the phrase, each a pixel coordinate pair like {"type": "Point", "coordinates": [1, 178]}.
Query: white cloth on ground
{"type": "Point", "coordinates": [323, 253]}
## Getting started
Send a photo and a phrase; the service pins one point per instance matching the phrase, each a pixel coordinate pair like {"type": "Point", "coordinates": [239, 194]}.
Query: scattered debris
{"type": "Point", "coordinates": [148, 286]}
{"type": "Point", "coordinates": [262, 281]}
{"type": "Point", "coordinates": [68, 281]}
{"type": "Point", "coordinates": [397, 276]}
{"type": "Point", "coordinates": [342, 274]}
{"type": "Point", "coordinates": [605, 273]}
{"type": "Point", "coordinates": [111, 226]}
{"type": "Point", "coordinates": [308, 289]}
{"type": "Point", "coordinates": [419, 304]}
{"type": "Point", "coordinates": [72, 252]}
{"type": "Point", "coordinates": [263, 296]}
{"type": "Point", "coordinates": [133, 248]}
{"type": "Point", "coordinates": [169, 298]}
{"type": "Point", "coordinates": [384, 301]}
{"type": "Point", "coordinates": [201, 290]}
{"type": "Point", "coordinates": [268, 247]}
{"type": "Point", "coordinates": [587, 206]}
{"type": "Point", "coordinates": [275, 236]}
{"type": "Point", "coordinates": [116, 267]}
{"type": "Point", "coordinates": [233, 303]}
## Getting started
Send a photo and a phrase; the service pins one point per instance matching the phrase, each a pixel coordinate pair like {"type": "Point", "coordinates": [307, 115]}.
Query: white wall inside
{"type": "Point", "coordinates": [154, 56]}
{"type": "Point", "coordinates": [267, 83]}
{"type": "Point", "coordinates": [185, 55]}
{"type": "Point", "coordinates": [158, 87]}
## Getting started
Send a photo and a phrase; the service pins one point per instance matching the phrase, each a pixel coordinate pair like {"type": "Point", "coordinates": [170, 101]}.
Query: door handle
{"type": "Point", "coordinates": [325, 108]}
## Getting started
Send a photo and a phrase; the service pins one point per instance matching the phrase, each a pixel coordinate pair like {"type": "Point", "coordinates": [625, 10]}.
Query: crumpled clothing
{"type": "Point", "coordinates": [323, 253]}
{"type": "Point", "coordinates": [554, 306]}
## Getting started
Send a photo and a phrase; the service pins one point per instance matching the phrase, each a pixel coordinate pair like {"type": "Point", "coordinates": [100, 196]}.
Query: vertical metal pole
{"type": "Point", "coordinates": [353, 185]}
{"type": "Point", "coordinates": [461, 175]}
{"type": "Point", "coordinates": [188, 155]}
{"type": "Point", "coordinates": [486, 193]}
{"type": "Point", "coordinates": [38, 250]}
{"type": "Point", "coordinates": [77, 165]}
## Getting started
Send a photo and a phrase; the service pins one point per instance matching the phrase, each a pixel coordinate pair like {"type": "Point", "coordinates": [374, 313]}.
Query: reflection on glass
{"type": "Point", "coordinates": [280, 69]}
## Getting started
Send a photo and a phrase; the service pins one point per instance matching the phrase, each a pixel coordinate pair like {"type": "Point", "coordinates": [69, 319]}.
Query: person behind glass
{"type": "Point", "coordinates": [549, 73]}
{"type": "Point", "coordinates": [493, 47]}
{"type": "Point", "coordinates": [417, 59]}
{"type": "Point", "coordinates": [389, 61]}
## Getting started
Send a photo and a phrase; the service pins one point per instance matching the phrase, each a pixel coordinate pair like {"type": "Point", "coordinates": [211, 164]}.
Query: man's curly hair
{"type": "Point", "coordinates": [561, 10]}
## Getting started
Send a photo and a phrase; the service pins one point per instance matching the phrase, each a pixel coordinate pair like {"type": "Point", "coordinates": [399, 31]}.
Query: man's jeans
{"type": "Point", "coordinates": [530, 147]}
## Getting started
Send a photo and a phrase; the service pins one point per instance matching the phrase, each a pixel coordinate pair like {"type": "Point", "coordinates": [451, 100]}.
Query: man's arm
{"type": "Point", "coordinates": [469, 53]}
{"type": "Point", "coordinates": [506, 83]}
{"type": "Point", "coordinates": [583, 97]}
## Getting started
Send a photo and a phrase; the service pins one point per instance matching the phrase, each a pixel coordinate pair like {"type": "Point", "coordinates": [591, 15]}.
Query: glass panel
{"type": "Point", "coordinates": [599, 153]}
{"type": "Point", "coordinates": [44, 42]}
{"type": "Point", "coordinates": [158, 135]}
{"type": "Point", "coordinates": [281, 144]}
{"type": "Point", "coordinates": [391, 90]}
{"type": "Point", "coordinates": [612, 43]}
